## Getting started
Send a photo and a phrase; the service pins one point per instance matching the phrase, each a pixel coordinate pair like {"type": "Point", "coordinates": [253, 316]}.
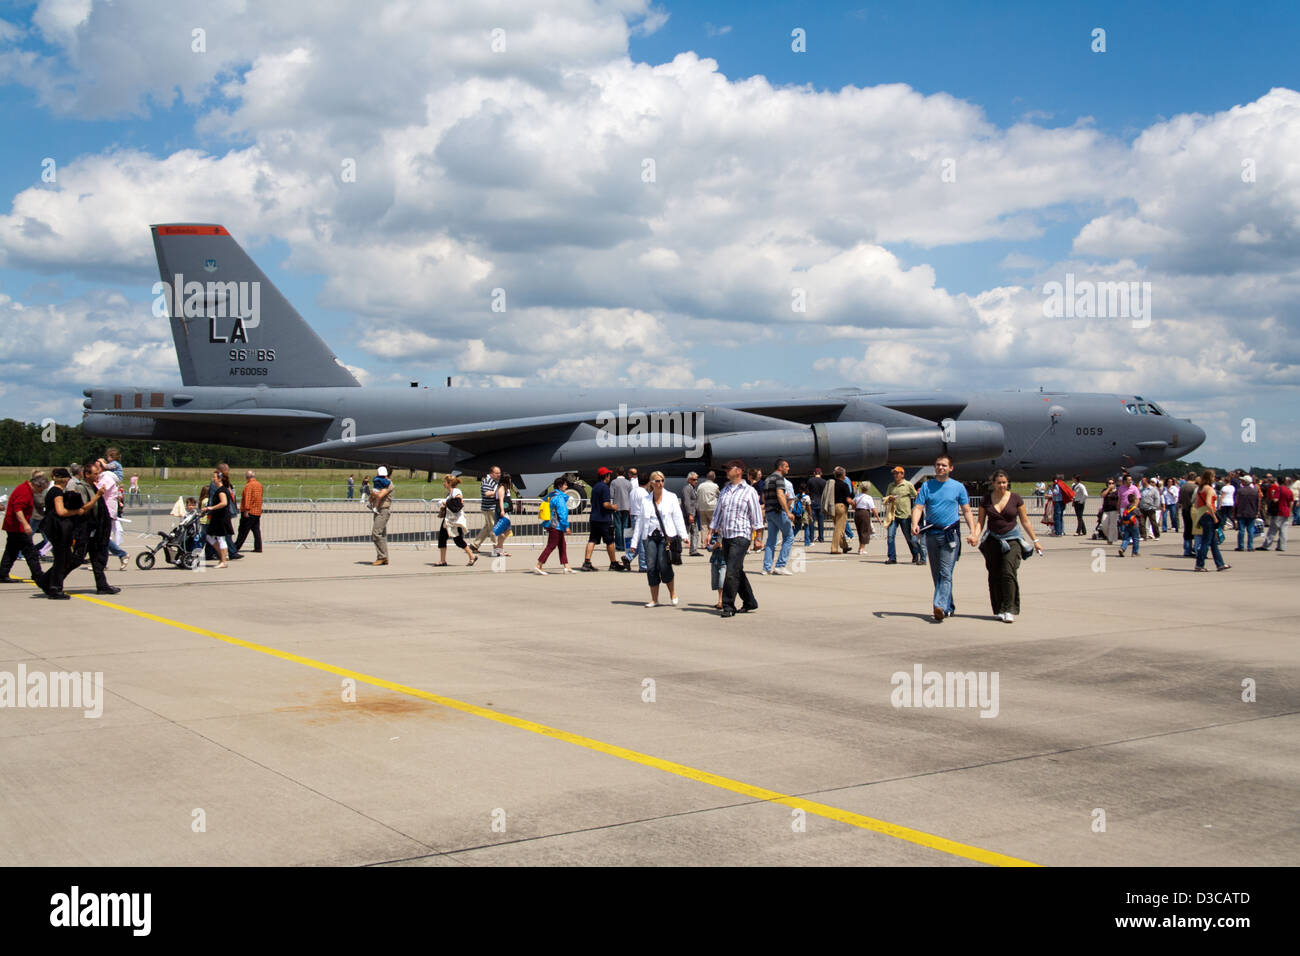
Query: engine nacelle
{"type": "Point", "coordinates": [961, 441]}
{"type": "Point", "coordinates": [857, 446]}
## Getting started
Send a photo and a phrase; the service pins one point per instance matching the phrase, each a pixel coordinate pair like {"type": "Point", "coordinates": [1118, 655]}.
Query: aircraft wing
{"type": "Point", "coordinates": [726, 416]}
{"type": "Point", "coordinates": [928, 406]}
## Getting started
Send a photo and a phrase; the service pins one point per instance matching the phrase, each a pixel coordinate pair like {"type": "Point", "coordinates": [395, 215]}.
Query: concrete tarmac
{"type": "Point", "coordinates": [1144, 715]}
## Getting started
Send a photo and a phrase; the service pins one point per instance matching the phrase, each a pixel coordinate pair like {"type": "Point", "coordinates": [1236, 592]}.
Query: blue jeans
{"type": "Point", "coordinates": [777, 521]}
{"type": "Point", "coordinates": [903, 526]}
{"type": "Point", "coordinates": [1130, 533]}
{"type": "Point", "coordinates": [1058, 517]}
{"type": "Point", "coordinates": [943, 561]}
{"type": "Point", "coordinates": [1246, 532]}
{"type": "Point", "coordinates": [620, 530]}
{"type": "Point", "coordinates": [659, 565]}
{"type": "Point", "coordinates": [1209, 542]}
{"type": "Point", "coordinates": [807, 532]}
{"type": "Point", "coordinates": [114, 550]}
{"type": "Point", "coordinates": [1164, 519]}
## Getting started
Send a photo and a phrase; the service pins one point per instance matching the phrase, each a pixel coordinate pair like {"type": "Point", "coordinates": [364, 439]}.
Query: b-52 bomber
{"type": "Point", "coordinates": [255, 374]}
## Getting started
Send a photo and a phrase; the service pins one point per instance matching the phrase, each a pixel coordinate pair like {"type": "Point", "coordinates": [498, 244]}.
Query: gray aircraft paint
{"type": "Point", "coordinates": [305, 400]}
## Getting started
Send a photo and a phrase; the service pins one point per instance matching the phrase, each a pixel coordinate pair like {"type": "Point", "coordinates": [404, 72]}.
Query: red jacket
{"type": "Point", "coordinates": [21, 502]}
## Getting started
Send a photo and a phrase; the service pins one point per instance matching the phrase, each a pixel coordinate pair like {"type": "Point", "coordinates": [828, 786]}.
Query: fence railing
{"type": "Point", "coordinates": [339, 522]}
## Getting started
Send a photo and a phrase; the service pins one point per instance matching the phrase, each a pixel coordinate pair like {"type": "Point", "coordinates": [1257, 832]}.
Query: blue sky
{"type": "Point", "coordinates": [1017, 87]}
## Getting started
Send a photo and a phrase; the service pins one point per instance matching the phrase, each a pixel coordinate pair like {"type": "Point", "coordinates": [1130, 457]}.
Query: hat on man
{"type": "Point", "coordinates": [898, 470]}
{"type": "Point", "coordinates": [601, 472]}
{"type": "Point", "coordinates": [381, 471]}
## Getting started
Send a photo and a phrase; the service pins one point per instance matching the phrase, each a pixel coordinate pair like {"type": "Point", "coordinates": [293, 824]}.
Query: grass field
{"type": "Point", "coordinates": [320, 482]}
{"type": "Point", "coordinates": [278, 482]}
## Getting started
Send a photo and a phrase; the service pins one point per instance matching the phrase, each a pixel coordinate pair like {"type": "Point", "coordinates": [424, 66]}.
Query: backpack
{"type": "Point", "coordinates": [544, 512]}
{"type": "Point", "coordinates": [798, 505]}
{"type": "Point", "coordinates": [828, 498]}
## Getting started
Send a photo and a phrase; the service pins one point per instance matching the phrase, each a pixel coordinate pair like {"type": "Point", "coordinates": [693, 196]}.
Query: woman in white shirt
{"type": "Point", "coordinates": [454, 522]}
{"type": "Point", "coordinates": [1227, 501]}
{"type": "Point", "coordinates": [659, 520]}
{"type": "Point", "coordinates": [1169, 497]}
{"type": "Point", "coordinates": [864, 509]}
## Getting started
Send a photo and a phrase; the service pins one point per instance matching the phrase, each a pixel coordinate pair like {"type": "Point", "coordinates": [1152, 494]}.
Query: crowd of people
{"type": "Point", "coordinates": [78, 512]}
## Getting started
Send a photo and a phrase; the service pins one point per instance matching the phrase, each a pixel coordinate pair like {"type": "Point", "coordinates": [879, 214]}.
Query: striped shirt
{"type": "Point", "coordinates": [739, 513]}
{"type": "Point", "coordinates": [489, 501]}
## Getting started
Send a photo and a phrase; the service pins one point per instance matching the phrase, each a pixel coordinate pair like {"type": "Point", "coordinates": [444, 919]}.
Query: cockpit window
{"type": "Point", "coordinates": [1156, 409]}
{"type": "Point", "coordinates": [1131, 408]}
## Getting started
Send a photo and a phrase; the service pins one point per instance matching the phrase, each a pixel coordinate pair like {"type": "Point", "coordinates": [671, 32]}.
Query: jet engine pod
{"type": "Point", "coordinates": [974, 440]}
{"type": "Point", "coordinates": [857, 446]}
{"type": "Point", "coordinates": [961, 441]}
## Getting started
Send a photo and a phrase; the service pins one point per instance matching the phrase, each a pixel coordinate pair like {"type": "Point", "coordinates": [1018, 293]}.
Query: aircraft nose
{"type": "Point", "coordinates": [1189, 438]}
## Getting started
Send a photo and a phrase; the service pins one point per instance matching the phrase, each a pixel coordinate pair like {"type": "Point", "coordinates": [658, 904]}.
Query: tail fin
{"type": "Point", "coordinates": [231, 325]}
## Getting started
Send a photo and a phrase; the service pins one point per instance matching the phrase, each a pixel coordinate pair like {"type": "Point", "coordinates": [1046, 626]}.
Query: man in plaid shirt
{"type": "Point", "coordinates": [738, 520]}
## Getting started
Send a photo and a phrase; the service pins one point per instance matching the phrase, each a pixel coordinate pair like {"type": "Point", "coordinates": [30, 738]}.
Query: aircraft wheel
{"type": "Point", "coordinates": [577, 501]}
{"type": "Point", "coordinates": [144, 560]}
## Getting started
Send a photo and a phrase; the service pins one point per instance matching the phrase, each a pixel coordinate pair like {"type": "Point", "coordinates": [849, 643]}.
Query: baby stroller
{"type": "Point", "coordinates": [177, 545]}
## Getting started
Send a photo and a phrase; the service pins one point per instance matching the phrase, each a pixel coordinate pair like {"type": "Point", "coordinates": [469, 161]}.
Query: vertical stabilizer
{"type": "Point", "coordinates": [231, 325]}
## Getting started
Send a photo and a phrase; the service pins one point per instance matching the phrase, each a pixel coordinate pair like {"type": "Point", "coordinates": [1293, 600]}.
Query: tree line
{"type": "Point", "coordinates": [23, 444]}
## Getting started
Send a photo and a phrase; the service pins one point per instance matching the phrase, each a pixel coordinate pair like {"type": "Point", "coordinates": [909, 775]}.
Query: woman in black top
{"type": "Point", "coordinates": [1000, 542]}
{"type": "Point", "coordinates": [64, 511]}
{"type": "Point", "coordinates": [218, 510]}
{"type": "Point", "coordinates": [1109, 513]}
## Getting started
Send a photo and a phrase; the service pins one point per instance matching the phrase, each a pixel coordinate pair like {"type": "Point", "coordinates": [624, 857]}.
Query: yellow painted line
{"type": "Point", "coordinates": [918, 837]}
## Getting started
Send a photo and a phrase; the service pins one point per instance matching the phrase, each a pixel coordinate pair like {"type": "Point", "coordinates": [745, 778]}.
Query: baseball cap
{"type": "Point", "coordinates": [898, 470]}
{"type": "Point", "coordinates": [381, 471]}
{"type": "Point", "coordinates": [603, 471]}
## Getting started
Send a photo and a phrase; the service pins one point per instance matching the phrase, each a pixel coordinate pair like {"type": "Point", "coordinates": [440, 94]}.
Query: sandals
{"type": "Point", "coordinates": [473, 561]}
{"type": "Point", "coordinates": [440, 564]}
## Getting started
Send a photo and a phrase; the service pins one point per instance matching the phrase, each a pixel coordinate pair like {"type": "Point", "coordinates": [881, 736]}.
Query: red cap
{"type": "Point", "coordinates": [603, 471]}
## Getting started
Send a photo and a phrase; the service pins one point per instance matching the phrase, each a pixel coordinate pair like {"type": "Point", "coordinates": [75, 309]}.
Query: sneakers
{"type": "Point", "coordinates": [651, 604]}
{"type": "Point", "coordinates": [615, 566]}
{"type": "Point", "coordinates": [1008, 617]}
{"type": "Point", "coordinates": [588, 566]}
{"type": "Point", "coordinates": [674, 602]}
{"type": "Point", "coordinates": [765, 571]}
{"type": "Point", "coordinates": [783, 571]}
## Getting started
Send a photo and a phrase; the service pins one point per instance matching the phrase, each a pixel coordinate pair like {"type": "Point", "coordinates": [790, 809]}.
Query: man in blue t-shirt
{"type": "Point", "coordinates": [603, 510]}
{"type": "Point", "coordinates": [943, 503]}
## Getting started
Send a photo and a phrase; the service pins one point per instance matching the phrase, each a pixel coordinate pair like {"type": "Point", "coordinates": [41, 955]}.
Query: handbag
{"type": "Point", "coordinates": [502, 525]}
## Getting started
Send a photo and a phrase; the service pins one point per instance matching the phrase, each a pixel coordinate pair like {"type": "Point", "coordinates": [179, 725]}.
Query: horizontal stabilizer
{"type": "Point", "coordinates": [222, 416]}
